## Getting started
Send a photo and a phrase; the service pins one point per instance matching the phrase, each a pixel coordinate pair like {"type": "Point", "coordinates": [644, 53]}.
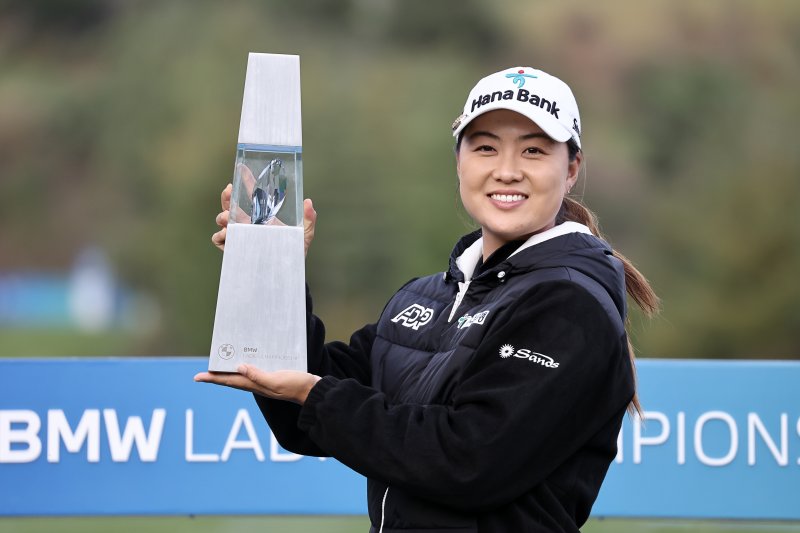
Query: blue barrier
{"type": "Point", "coordinates": [138, 436]}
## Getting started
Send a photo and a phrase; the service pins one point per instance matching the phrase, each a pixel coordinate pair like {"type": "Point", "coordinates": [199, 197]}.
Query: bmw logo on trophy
{"type": "Point", "coordinates": [260, 317]}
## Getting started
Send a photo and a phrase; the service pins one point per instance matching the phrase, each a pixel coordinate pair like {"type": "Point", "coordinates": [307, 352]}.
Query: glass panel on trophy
{"type": "Point", "coordinates": [265, 187]}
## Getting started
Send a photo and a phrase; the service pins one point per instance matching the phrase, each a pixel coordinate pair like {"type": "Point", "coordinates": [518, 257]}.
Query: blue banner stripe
{"type": "Point", "coordinates": [138, 436]}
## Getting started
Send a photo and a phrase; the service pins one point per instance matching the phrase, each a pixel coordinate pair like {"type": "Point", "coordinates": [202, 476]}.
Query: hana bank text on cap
{"type": "Point", "coordinates": [543, 98]}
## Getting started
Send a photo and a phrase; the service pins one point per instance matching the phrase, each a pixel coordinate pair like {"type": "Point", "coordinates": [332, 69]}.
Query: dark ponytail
{"type": "Point", "coordinates": [636, 284]}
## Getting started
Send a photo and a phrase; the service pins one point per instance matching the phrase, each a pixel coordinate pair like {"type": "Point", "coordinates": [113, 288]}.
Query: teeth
{"type": "Point", "coordinates": [508, 197]}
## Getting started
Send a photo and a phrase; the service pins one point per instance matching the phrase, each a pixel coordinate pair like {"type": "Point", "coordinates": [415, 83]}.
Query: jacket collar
{"type": "Point", "coordinates": [469, 249]}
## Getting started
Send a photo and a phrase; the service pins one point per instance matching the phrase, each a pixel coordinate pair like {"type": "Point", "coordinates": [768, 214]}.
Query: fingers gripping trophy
{"type": "Point", "coordinates": [260, 315]}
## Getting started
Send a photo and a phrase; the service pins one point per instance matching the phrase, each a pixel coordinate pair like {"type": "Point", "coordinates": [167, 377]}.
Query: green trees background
{"type": "Point", "coordinates": [118, 123]}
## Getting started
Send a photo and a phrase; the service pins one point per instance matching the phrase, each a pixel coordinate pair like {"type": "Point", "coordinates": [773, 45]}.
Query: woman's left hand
{"type": "Point", "coordinates": [289, 385]}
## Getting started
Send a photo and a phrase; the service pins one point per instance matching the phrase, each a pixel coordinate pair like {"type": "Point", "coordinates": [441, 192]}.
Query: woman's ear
{"type": "Point", "coordinates": [573, 169]}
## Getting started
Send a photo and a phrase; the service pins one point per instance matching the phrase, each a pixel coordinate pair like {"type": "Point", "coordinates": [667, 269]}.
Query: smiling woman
{"type": "Point", "coordinates": [487, 397]}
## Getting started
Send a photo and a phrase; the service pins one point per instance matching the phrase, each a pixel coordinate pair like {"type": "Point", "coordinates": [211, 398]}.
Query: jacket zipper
{"type": "Point", "coordinates": [462, 290]}
{"type": "Point", "coordinates": [383, 509]}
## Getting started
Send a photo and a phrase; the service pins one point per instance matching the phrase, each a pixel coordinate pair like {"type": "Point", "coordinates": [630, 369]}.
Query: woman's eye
{"type": "Point", "coordinates": [533, 150]}
{"type": "Point", "coordinates": [484, 148]}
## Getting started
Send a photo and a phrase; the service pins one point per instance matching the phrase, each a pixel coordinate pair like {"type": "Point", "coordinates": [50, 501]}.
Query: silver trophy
{"type": "Point", "coordinates": [260, 317]}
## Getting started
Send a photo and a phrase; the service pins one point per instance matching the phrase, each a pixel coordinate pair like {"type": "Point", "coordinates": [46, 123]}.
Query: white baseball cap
{"type": "Point", "coordinates": [543, 98]}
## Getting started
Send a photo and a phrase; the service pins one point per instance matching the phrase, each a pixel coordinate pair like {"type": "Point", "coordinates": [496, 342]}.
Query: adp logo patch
{"type": "Point", "coordinates": [414, 316]}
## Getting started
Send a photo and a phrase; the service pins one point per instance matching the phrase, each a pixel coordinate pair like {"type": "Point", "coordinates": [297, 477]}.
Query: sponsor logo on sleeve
{"type": "Point", "coordinates": [414, 316]}
{"type": "Point", "coordinates": [546, 361]}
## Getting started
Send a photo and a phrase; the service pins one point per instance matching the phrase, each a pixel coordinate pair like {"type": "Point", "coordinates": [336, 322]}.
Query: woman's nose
{"type": "Point", "coordinates": [508, 169]}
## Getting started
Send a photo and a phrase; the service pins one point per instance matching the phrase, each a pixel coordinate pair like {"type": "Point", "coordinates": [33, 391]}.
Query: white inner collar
{"type": "Point", "coordinates": [468, 260]}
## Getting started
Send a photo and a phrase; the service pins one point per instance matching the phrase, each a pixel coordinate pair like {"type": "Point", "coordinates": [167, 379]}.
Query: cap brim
{"type": "Point", "coordinates": [549, 124]}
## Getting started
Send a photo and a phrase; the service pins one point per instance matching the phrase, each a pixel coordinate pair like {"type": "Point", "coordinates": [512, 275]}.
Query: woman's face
{"type": "Point", "coordinates": [512, 176]}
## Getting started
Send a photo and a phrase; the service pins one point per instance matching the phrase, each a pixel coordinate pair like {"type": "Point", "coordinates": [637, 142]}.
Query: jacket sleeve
{"type": "Point", "coordinates": [512, 420]}
{"type": "Point", "coordinates": [337, 359]}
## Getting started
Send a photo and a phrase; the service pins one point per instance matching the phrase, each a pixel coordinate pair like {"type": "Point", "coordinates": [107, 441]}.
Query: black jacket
{"type": "Point", "coordinates": [500, 415]}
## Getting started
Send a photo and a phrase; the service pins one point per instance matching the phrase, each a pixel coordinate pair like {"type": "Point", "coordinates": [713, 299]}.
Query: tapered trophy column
{"type": "Point", "coordinates": [260, 318]}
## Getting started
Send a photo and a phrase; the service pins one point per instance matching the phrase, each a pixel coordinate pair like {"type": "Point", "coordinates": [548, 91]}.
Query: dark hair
{"type": "Point", "coordinates": [572, 149]}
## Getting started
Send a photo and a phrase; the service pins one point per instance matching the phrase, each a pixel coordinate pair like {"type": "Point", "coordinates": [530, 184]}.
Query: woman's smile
{"type": "Point", "coordinates": [507, 200]}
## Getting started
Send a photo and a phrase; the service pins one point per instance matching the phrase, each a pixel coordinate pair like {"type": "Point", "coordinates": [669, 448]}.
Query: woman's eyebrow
{"type": "Point", "coordinates": [537, 135]}
{"type": "Point", "coordinates": [525, 137]}
{"type": "Point", "coordinates": [483, 134]}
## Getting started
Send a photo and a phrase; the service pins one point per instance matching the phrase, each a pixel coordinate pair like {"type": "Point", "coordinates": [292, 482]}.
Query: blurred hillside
{"type": "Point", "coordinates": [118, 124]}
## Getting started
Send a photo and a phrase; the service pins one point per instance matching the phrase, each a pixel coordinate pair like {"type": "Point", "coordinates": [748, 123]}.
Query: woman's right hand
{"type": "Point", "coordinates": [218, 238]}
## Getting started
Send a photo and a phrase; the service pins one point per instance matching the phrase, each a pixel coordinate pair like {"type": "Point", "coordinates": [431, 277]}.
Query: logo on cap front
{"type": "Point", "coordinates": [519, 77]}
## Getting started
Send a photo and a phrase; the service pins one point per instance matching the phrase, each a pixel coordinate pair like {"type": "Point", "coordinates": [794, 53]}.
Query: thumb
{"type": "Point", "coordinates": [309, 223]}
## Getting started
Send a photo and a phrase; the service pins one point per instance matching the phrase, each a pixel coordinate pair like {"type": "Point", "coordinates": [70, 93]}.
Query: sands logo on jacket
{"type": "Point", "coordinates": [507, 351]}
{"type": "Point", "coordinates": [414, 316]}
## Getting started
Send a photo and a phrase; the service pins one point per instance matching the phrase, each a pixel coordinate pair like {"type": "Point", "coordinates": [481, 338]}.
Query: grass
{"type": "Point", "coordinates": [43, 342]}
{"type": "Point", "coordinates": [339, 524]}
